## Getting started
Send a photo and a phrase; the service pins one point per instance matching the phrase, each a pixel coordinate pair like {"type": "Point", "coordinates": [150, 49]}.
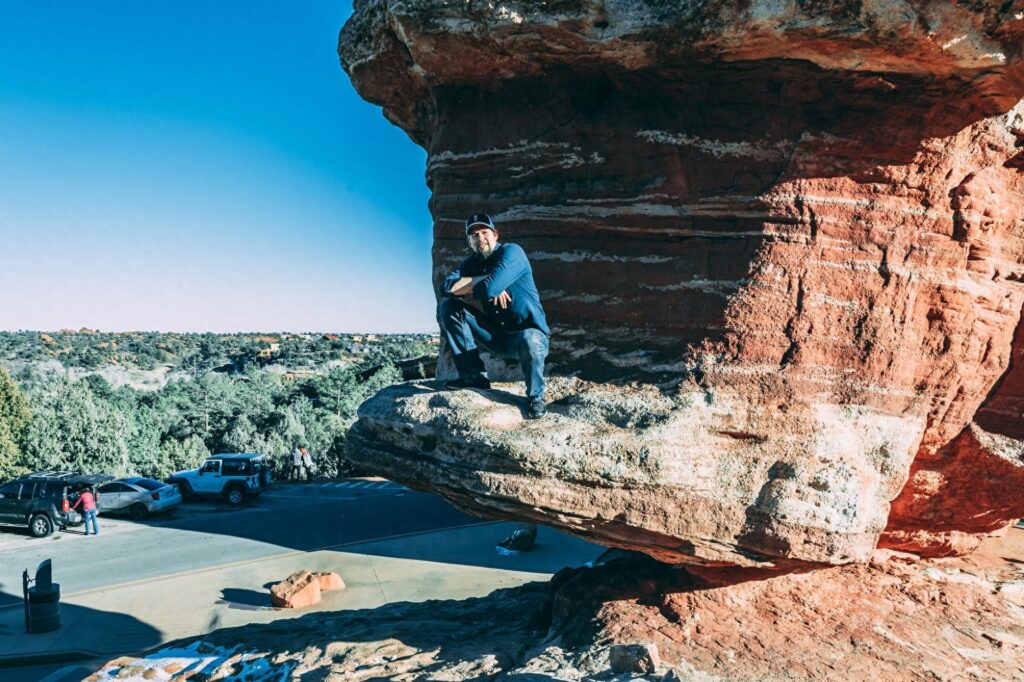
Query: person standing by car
{"type": "Point", "coordinates": [296, 472]}
{"type": "Point", "coordinates": [88, 501]}
{"type": "Point", "coordinates": [307, 462]}
{"type": "Point", "coordinates": [266, 473]}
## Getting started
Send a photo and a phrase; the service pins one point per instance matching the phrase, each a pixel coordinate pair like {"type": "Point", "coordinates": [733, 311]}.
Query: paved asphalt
{"type": "Point", "coordinates": [287, 518]}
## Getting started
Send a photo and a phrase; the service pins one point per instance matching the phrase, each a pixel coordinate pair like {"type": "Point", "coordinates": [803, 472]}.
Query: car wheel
{"type": "Point", "coordinates": [40, 525]}
{"type": "Point", "coordinates": [139, 511]}
{"type": "Point", "coordinates": [234, 495]}
{"type": "Point", "coordinates": [186, 491]}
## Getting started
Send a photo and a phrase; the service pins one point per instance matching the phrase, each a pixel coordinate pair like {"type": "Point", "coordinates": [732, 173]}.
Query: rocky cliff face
{"type": "Point", "coordinates": [800, 224]}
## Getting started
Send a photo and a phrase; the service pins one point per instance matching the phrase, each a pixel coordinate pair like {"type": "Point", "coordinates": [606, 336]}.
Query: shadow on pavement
{"type": "Point", "coordinates": [9, 595]}
{"type": "Point", "coordinates": [553, 550]}
{"type": "Point", "coordinates": [234, 596]}
{"type": "Point", "coordinates": [28, 657]}
{"type": "Point", "coordinates": [308, 521]}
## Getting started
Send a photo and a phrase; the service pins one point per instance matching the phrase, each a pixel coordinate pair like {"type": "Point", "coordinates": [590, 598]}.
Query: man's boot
{"type": "Point", "coordinates": [535, 408]}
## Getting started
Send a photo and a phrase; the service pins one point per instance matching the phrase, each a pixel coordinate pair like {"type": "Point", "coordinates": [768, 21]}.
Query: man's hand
{"type": "Point", "coordinates": [502, 300]}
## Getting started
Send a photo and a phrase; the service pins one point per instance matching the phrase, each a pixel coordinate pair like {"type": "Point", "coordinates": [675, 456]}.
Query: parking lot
{"type": "Point", "coordinates": [187, 513]}
{"type": "Point", "coordinates": [209, 565]}
{"type": "Point", "coordinates": [199, 535]}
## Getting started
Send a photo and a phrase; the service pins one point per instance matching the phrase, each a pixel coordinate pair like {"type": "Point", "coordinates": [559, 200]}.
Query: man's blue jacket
{"type": "Point", "coordinates": [506, 269]}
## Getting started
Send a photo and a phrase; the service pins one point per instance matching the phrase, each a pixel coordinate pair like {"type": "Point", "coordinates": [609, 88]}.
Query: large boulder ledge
{"type": "Point", "coordinates": [695, 475]}
{"type": "Point", "coordinates": [797, 227]}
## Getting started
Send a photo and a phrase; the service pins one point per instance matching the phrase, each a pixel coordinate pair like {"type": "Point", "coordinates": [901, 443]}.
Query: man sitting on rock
{"type": "Point", "coordinates": [492, 300]}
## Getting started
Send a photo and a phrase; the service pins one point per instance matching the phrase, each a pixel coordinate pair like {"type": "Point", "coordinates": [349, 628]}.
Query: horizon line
{"type": "Point", "coordinates": [90, 330]}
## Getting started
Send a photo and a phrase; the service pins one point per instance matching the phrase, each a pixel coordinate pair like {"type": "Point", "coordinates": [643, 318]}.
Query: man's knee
{"type": "Point", "coordinates": [535, 344]}
{"type": "Point", "coordinates": [447, 307]}
{"type": "Point", "coordinates": [449, 316]}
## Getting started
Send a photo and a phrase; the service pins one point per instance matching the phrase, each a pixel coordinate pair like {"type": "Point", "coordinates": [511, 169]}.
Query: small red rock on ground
{"type": "Point", "coordinates": [329, 580]}
{"type": "Point", "coordinates": [304, 588]}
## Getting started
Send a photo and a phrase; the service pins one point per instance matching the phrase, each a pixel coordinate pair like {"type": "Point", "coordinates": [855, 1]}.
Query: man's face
{"type": "Point", "coordinates": [483, 240]}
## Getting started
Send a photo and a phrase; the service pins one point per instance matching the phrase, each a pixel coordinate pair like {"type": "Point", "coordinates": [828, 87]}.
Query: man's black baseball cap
{"type": "Point", "coordinates": [479, 220]}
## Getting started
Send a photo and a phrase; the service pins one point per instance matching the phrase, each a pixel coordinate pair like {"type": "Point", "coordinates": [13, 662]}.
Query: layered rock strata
{"type": "Point", "coordinates": [814, 213]}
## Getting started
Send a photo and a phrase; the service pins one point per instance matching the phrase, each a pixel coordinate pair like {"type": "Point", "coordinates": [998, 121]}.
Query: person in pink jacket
{"type": "Point", "coordinates": [88, 502]}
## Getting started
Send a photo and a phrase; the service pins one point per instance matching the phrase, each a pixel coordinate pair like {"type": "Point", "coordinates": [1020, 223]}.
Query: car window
{"type": "Point", "coordinates": [108, 488]}
{"type": "Point", "coordinates": [234, 467]}
{"type": "Point", "coordinates": [28, 489]}
{"type": "Point", "coordinates": [116, 487]}
{"type": "Point", "coordinates": [52, 490]}
{"type": "Point", "coordinates": [211, 465]}
{"type": "Point", "coordinates": [149, 484]}
{"type": "Point", "coordinates": [10, 490]}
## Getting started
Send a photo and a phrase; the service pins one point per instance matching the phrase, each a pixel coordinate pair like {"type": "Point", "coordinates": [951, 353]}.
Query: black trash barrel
{"type": "Point", "coordinates": [44, 608]}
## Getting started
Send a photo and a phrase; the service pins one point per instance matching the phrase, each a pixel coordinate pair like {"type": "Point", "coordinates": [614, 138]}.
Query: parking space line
{"type": "Point", "coordinates": [306, 497]}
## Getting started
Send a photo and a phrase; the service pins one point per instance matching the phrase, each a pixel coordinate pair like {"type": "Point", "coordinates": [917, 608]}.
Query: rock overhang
{"type": "Point", "coordinates": [684, 475]}
{"type": "Point", "coordinates": [398, 53]}
{"type": "Point", "coordinates": [812, 209]}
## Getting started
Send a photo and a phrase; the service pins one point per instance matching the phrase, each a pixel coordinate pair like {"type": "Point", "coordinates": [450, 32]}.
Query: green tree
{"type": "Point", "coordinates": [72, 430]}
{"type": "Point", "coordinates": [146, 457]}
{"type": "Point", "coordinates": [243, 436]}
{"type": "Point", "coordinates": [14, 420]}
{"type": "Point", "coordinates": [338, 395]}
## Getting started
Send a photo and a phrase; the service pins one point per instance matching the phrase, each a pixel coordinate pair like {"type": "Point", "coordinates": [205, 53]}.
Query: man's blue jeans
{"type": "Point", "coordinates": [464, 327]}
{"type": "Point", "coordinates": [90, 518]}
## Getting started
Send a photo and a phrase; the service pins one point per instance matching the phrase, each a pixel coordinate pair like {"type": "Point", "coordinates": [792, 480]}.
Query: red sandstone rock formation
{"type": "Point", "coordinates": [812, 212]}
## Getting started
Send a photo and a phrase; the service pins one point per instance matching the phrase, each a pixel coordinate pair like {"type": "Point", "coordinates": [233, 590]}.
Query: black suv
{"type": "Point", "coordinates": [42, 501]}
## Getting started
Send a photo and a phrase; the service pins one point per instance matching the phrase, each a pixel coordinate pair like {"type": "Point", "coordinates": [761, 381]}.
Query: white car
{"type": "Point", "coordinates": [137, 496]}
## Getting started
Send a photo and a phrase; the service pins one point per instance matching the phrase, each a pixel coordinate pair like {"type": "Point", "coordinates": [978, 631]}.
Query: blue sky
{"type": "Point", "coordinates": [201, 166]}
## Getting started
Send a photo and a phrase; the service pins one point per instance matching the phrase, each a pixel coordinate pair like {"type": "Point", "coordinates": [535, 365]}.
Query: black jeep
{"type": "Point", "coordinates": [42, 501]}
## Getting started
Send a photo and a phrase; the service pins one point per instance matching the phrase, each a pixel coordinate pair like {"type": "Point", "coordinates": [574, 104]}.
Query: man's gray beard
{"type": "Point", "coordinates": [485, 254]}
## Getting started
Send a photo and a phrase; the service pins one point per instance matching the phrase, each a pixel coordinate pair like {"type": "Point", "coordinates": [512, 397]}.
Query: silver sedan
{"type": "Point", "coordinates": [137, 496]}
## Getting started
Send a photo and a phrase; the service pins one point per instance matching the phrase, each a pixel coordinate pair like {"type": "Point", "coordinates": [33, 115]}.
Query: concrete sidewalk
{"type": "Point", "coordinates": [132, 617]}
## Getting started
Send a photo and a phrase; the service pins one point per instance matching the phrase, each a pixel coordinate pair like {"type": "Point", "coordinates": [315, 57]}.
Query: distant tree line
{"type": "Point", "coordinates": [89, 349]}
{"type": "Point", "coordinates": [49, 421]}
